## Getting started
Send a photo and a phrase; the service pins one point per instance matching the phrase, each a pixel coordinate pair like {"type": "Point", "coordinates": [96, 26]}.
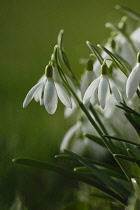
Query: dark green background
{"type": "Point", "coordinates": [28, 34]}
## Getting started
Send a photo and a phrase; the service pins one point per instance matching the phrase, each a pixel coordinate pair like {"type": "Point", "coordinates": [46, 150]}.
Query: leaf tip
{"type": "Point", "coordinates": [87, 42]}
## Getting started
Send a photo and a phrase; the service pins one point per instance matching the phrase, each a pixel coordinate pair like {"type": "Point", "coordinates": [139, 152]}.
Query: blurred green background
{"type": "Point", "coordinates": [29, 32]}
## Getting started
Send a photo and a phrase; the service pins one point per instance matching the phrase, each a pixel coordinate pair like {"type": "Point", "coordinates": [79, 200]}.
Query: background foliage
{"type": "Point", "coordinates": [29, 31]}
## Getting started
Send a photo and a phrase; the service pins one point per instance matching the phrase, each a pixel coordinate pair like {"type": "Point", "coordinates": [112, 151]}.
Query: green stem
{"type": "Point", "coordinates": [98, 119]}
{"type": "Point", "coordinates": [107, 142]}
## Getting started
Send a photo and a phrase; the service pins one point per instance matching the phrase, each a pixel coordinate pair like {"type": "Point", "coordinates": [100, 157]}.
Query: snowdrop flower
{"type": "Point", "coordinates": [88, 77]}
{"type": "Point", "coordinates": [75, 130]}
{"type": "Point", "coordinates": [47, 91]}
{"type": "Point", "coordinates": [133, 79]}
{"type": "Point", "coordinates": [99, 90]}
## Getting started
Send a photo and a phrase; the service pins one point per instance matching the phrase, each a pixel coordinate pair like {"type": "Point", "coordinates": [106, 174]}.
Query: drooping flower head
{"type": "Point", "coordinates": [99, 90]}
{"type": "Point", "coordinates": [88, 77]}
{"type": "Point", "coordinates": [133, 79]}
{"type": "Point", "coordinates": [47, 91]}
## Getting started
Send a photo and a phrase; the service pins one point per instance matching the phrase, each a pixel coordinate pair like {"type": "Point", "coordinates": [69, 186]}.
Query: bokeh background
{"type": "Point", "coordinates": [28, 34]}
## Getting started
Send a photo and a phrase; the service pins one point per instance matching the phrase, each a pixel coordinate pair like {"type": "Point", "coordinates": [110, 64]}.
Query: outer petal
{"type": "Point", "coordinates": [70, 83]}
{"type": "Point", "coordinates": [115, 91]}
{"type": "Point", "coordinates": [50, 97]}
{"type": "Point", "coordinates": [63, 94]}
{"type": "Point", "coordinates": [90, 91]}
{"type": "Point", "coordinates": [56, 76]}
{"type": "Point", "coordinates": [94, 98]}
{"type": "Point", "coordinates": [86, 81]}
{"type": "Point", "coordinates": [133, 81]}
{"type": "Point", "coordinates": [38, 93]}
{"type": "Point", "coordinates": [69, 135]}
{"type": "Point", "coordinates": [103, 91]}
{"type": "Point", "coordinates": [30, 94]}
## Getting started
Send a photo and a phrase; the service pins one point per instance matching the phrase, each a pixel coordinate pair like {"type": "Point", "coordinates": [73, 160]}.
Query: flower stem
{"type": "Point", "coordinates": [98, 119]}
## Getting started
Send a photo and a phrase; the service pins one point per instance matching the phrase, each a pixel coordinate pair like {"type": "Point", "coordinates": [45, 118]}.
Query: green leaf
{"type": "Point", "coordinates": [64, 157]}
{"type": "Point", "coordinates": [95, 52]}
{"type": "Point", "coordinates": [96, 139]}
{"type": "Point", "coordinates": [102, 176]}
{"type": "Point", "coordinates": [134, 160]}
{"type": "Point", "coordinates": [115, 59]}
{"type": "Point", "coordinates": [128, 109]}
{"type": "Point", "coordinates": [134, 150]}
{"type": "Point", "coordinates": [60, 39]}
{"type": "Point", "coordinates": [122, 140]}
{"type": "Point", "coordinates": [95, 162]}
{"type": "Point", "coordinates": [125, 62]}
{"type": "Point", "coordinates": [134, 123]}
{"type": "Point", "coordinates": [136, 186]}
{"type": "Point", "coordinates": [110, 172]}
{"type": "Point", "coordinates": [129, 12]}
{"type": "Point", "coordinates": [126, 36]}
{"type": "Point", "coordinates": [83, 170]}
{"type": "Point", "coordinates": [62, 57]}
{"type": "Point", "coordinates": [133, 155]}
{"type": "Point", "coordinates": [69, 174]}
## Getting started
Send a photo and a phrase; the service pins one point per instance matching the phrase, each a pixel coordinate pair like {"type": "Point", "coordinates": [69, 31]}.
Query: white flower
{"type": "Point", "coordinates": [47, 91]}
{"type": "Point", "coordinates": [88, 77]}
{"type": "Point", "coordinates": [99, 91]}
{"type": "Point", "coordinates": [86, 81]}
{"type": "Point", "coordinates": [75, 129]}
{"type": "Point", "coordinates": [133, 81]}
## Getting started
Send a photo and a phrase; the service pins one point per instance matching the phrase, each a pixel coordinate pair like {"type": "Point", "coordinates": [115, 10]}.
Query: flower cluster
{"type": "Point", "coordinates": [105, 104]}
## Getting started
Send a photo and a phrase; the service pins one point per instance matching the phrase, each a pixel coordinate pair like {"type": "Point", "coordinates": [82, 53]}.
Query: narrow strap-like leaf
{"type": "Point", "coordinates": [110, 172]}
{"type": "Point", "coordinates": [130, 110]}
{"type": "Point", "coordinates": [95, 52]}
{"type": "Point", "coordinates": [133, 123]}
{"type": "Point", "coordinates": [60, 39]}
{"type": "Point", "coordinates": [115, 59]}
{"type": "Point", "coordinates": [129, 12]}
{"type": "Point", "coordinates": [122, 140]}
{"type": "Point", "coordinates": [136, 186]}
{"type": "Point", "coordinates": [135, 151]}
{"type": "Point", "coordinates": [102, 176]}
{"type": "Point", "coordinates": [65, 172]}
{"type": "Point", "coordinates": [124, 157]}
{"type": "Point", "coordinates": [95, 162]}
{"type": "Point", "coordinates": [96, 139]}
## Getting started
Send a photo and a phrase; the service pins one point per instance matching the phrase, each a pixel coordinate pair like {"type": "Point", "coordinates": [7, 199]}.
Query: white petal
{"type": "Point", "coordinates": [38, 93]}
{"type": "Point", "coordinates": [71, 83]}
{"type": "Point", "coordinates": [94, 99]}
{"type": "Point", "coordinates": [69, 135]}
{"type": "Point", "coordinates": [69, 111]}
{"type": "Point", "coordinates": [41, 101]}
{"type": "Point", "coordinates": [63, 94]}
{"type": "Point", "coordinates": [56, 76]}
{"type": "Point", "coordinates": [133, 81]}
{"type": "Point", "coordinates": [30, 94]}
{"type": "Point", "coordinates": [103, 91]}
{"type": "Point", "coordinates": [42, 78]}
{"type": "Point", "coordinates": [90, 91]}
{"type": "Point", "coordinates": [86, 81]}
{"type": "Point", "coordinates": [115, 91]}
{"type": "Point", "coordinates": [50, 97]}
